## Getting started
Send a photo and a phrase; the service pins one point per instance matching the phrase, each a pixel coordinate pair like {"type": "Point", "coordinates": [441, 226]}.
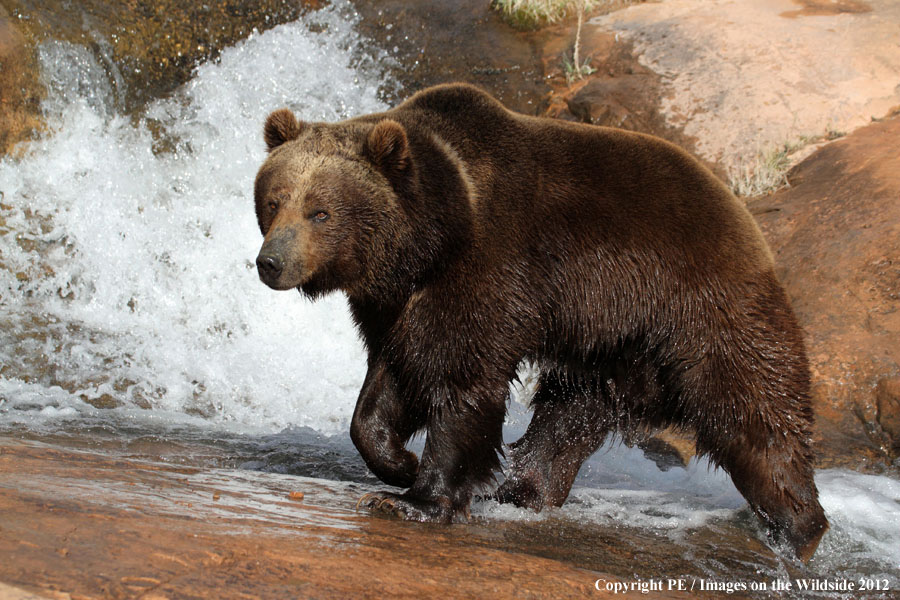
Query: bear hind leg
{"type": "Point", "coordinates": [777, 482]}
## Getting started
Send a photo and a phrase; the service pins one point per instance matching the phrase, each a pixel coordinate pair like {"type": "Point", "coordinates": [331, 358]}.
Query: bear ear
{"type": "Point", "coordinates": [387, 147]}
{"type": "Point", "coordinates": [281, 126]}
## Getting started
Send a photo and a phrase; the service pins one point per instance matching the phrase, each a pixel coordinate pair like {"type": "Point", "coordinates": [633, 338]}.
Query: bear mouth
{"type": "Point", "coordinates": [278, 285]}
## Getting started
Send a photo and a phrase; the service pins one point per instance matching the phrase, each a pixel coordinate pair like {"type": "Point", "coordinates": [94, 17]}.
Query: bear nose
{"type": "Point", "coordinates": [269, 266]}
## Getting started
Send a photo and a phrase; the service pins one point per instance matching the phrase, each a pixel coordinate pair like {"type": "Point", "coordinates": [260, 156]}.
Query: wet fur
{"type": "Point", "coordinates": [468, 238]}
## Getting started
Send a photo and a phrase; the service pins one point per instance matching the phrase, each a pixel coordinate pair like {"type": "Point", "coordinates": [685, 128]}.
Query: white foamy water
{"type": "Point", "coordinates": [621, 488]}
{"type": "Point", "coordinates": [128, 253]}
{"type": "Point", "coordinates": [128, 290]}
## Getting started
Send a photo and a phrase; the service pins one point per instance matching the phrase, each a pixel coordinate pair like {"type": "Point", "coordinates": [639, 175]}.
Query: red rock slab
{"type": "Point", "coordinates": [84, 525]}
{"type": "Point", "coordinates": [836, 237]}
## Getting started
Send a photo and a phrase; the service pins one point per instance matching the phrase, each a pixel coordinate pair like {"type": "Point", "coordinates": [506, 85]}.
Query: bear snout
{"type": "Point", "coordinates": [279, 263]}
{"type": "Point", "coordinates": [270, 267]}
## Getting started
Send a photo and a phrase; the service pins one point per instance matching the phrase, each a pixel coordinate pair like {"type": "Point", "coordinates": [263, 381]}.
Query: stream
{"type": "Point", "coordinates": [132, 322]}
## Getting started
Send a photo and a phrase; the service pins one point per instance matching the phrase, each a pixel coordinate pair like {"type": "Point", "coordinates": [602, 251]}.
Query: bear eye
{"type": "Point", "coordinates": [320, 216]}
{"type": "Point", "coordinates": [273, 206]}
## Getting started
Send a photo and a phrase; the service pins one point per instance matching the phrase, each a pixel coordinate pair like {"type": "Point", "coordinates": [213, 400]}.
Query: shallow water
{"type": "Point", "coordinates": [133, 322]}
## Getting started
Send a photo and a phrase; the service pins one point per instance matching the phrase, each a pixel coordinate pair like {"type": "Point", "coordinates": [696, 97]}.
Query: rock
{"type": "Point", "coordinates": [468, 40]}
{"type": "Point", "coordinates": [148, 48]}
{"type": "Point", "coordinates": [887, 396]}
{"type": "Point", "coordinates": [620, 93]}
{"type": "Point", "coordinates": [818, 8]}
{"type": "Point", "coordinates": [151, 48]}
{"type": "Point", "coordinates": [608, 101]}
{"type": "Point", "coordinates": [668, 449]}
{"type": "Point", "coordinates": [84, 525]}
{"type": "Point", "coordinates": [436, 41]}
{"type": "Point", "coordinates": [836, 237]}
{"type": "Point", "coordinates": [8, 592]}
{"type": "Point", "coordinates": [746, 77]}
{"type": "Point", "coordinates": [20, 92]}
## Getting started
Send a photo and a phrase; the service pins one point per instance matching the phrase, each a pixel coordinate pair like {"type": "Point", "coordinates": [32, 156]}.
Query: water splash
{"type": "Point", "coordinates": [129, 301]}
{"type": "Point", "coordinates": [127, 280]}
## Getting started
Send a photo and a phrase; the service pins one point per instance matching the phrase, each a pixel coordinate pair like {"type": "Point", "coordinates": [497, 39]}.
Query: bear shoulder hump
{"type": "Point", "coordinates": [455, 99]}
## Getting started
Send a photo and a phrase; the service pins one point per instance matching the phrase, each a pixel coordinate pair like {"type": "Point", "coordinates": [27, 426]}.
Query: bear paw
{"type": "Point", "coordinates": [409, 508]}
{"type": "Point", "coordinates": [520, 492]}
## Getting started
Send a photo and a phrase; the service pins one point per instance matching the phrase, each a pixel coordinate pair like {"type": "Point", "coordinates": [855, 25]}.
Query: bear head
{"type": "Point", "coordinates": [328, 202]}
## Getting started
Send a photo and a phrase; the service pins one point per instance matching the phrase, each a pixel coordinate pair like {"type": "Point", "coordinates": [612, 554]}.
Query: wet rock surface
{"type": "Point", "coordinates": [836, 237]}
{"type": "Point", "coordinates": [147, 48]}
{"type": "Point", "coordinates": [20, 92]}
{"type": "Point", "coordinates": [89, 525]}
{"type": "Point", "coordinates": [150, 48]}
{"type": "Point", "coordinates": [621, 92]}
{"type": "Point", "coordinates": [466, 40]}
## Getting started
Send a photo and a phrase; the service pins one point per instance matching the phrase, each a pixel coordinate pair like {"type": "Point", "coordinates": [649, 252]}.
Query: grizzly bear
{"type": "Point", "coordinates": [468, 238]}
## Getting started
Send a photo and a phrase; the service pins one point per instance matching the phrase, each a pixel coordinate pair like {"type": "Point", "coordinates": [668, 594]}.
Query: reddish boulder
{"type": "Point", "coordinates": [836, 237]}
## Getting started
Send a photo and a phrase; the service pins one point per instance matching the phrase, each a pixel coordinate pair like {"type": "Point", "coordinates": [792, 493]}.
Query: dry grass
{"type": "Point", "coordinates": [528, 14]}
{"type": "Point", "coordinates": [763, 174]}
{"type": "Point", "coordinates": [766, 172]}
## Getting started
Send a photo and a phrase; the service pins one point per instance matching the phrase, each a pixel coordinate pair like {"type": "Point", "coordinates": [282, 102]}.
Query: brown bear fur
{"type": "Point", "coordinates": [468, 238]}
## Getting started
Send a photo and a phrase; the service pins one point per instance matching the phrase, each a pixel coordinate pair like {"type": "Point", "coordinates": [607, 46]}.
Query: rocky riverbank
{"type": "Point", "coordinates": [734, 82]}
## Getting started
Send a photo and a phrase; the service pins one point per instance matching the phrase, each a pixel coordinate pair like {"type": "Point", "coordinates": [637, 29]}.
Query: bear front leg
{"type": "Point", "coordinates": [381, 427]}
{"type": "Point", "coordinates": [463, 439]}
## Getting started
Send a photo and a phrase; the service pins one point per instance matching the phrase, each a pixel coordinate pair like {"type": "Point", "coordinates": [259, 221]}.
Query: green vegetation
{"type": "Point", "coordinates": [575, 71]}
